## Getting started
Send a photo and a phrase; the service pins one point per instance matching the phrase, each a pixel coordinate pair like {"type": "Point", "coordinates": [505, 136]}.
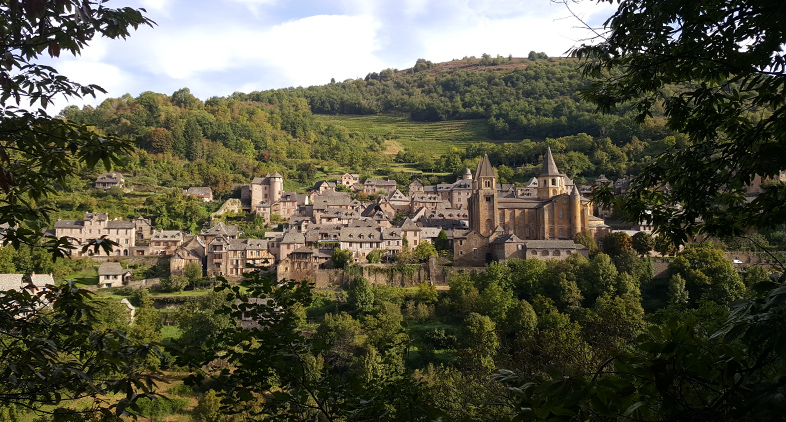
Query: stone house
{"type": "Point", "coordinates": [110, 180]}
{"type": "Point", "coordinates": [164, 242]}
{"type": "Point", "coordinates": [94, 226]}
{"type": "Point", "coordinates": [204, 193]}
{"type": "Point", "coordinates": [112, 274]}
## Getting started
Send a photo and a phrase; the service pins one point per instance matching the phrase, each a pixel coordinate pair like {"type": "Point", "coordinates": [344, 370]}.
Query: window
{"type": "Point", "coordinates": [553, 182]}
{"type": "Point", "coordinates": [560, 213]}
{"type": "Point", "coordinates": [488, 183]}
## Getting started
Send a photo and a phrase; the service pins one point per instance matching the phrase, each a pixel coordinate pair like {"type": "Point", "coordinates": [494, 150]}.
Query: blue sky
{"type": "Point", "coordinates": [221, 46]}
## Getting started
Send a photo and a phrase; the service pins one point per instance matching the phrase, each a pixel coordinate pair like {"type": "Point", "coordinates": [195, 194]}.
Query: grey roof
{"type": "Point", "coordinates": [352, 234]}
{"type": "Point", "coordinates": [507, 238]}
{"type": "Point", "coordinates": [200, 191]}
{"type": "Point", "coordinates": [167, 235]}
{"type": "Point", "coordinates": [293, 237]}
{"type": "Point", "coordinates": [111, 268]}
{"type": "Point", "coordinates": [120, 224]}
{"type": "Point", "coordinates": [221, 228]}
{"type": "Point", "coordinates": [247, 244]}
{"type": "Point", "coordinates": [65, 224]}
{"type": "Point", "coordinates": [549, 166]}
{"type": "Point", "coordinates": [110, 178]}
{"type": "Point", "coordinates": [484, 168]}
{"type": "Point", "coordinates": [553, 244]}
{"type": "Point", "coordinates": [11, 281]}
{"type": "Point", "coordinates": [100, 216]}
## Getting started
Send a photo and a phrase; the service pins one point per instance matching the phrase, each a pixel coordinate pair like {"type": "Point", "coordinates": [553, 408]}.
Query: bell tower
{"type": "Point", "coordinates": [550, 181]}
{"type": "Point", "coordinates": [483, 210]}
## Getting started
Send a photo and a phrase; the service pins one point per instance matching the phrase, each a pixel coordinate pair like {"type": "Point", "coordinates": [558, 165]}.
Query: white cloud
{"type": "Point", "coordinates": [254, 5]}
{"type": "Point", "coordinates": [157, 7]}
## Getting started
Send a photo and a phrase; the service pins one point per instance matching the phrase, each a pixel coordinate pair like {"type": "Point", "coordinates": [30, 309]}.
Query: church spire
{"type": "Point", "coordinates": [549, 166]}
{"type": "Point", "coordinates": [484, 168]}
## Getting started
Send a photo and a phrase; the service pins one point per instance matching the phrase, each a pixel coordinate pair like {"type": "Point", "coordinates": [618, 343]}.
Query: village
{"type": "Point", "coordinates": [480, 219]}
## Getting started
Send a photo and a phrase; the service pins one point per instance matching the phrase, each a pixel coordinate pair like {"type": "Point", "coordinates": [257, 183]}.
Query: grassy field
{"type": "Point", "coordinates": [435, 138]}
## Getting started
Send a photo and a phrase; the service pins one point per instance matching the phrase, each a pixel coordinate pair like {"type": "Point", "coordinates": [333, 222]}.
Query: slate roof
{"type": "Point", "coordinates": [221, 228]}
{"type": "Point", "coordinates": [549, 166]}
{"type": "Point", "coordinates": [553, 244]}
{"type": "Point", "coordinates": [120, 224]}
{"type": "Point", "coordinates": [111, 268]}
{"type": "Point", "coordinates": [167, 235]}
{"type": "Point", "coordinates": [110, 178]}
{"type": "Point", "coordinates": [484, 168]}
{"type": "Point", "coordinates": [202, 192]}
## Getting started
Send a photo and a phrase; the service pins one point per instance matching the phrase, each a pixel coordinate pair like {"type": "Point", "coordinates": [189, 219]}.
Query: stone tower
{"type": "Point", "coordinates": [575, 212]}
{"type": "Point", "coordinates": [550, 181]}
{"type": "Point", "coordinates": [483, 203]}
{"type": "Point", "coordinates": [276, 187]}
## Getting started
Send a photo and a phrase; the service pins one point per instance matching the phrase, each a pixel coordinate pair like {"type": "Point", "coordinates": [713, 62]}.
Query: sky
{"type": "Point", "coordinates": [217, 47]}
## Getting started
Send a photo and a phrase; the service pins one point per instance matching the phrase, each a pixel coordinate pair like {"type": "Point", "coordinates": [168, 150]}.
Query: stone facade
{"type": "Point", "coordinates": [94, 226]}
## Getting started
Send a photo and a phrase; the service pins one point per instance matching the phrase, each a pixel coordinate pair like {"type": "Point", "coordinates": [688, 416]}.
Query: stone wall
{"type": "Point", "coordinates": [404, 276]}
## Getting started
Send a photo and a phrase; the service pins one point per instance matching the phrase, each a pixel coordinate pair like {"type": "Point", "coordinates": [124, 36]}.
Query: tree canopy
{"type": "Point", "coordinates": [717, 71]}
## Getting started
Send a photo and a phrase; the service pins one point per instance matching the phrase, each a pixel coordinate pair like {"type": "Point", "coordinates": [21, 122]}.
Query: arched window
{"type": "Point", "coordinates": [488, 183]}
{"type": "Point", "coordinates": [544, 253]}
{"type": "Point", "coordinates": [560, 213]}
{"type": "Point", "coordinates": [488, 225]}
{"type": "Point", "coordinates": [560, 233]}
{"type": "Point", "coordinates": [556, 253]}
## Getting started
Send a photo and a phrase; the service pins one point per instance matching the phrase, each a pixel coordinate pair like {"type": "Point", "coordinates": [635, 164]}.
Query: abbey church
{"type": "Point", "coordinates": [537, 221]}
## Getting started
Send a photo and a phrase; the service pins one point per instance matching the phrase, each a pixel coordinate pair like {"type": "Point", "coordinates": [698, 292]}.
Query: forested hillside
{"type": "Point", "coordinates": [510, 108]}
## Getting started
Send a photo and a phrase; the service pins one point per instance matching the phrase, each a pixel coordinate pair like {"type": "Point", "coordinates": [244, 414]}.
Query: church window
{"type": "Point", "coordinates": [502, 217]}
{"type": "Point", "coordinates": [560, 213]}
{"type": "Point", "coordinates": [488, 198]}
{"type": "Point", "coordinates": [553, 192]}
{"type": "Point", "coordinates": [553, 182]}
{"type": "Point", "coordinates": [557, 253]}
{"type": "Point", "coordinates": [488, 183]}
{"type": "Point", "coordinates": [488, 225]}
{"type": "Point", "coordinates": [545, 253]}
{"type": "Point", "coordinates": [520, 247]}
{"type": "Point", "coordinates": [560, 233]}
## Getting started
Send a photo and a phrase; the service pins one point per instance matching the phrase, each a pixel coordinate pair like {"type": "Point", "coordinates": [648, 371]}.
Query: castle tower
{"type": "Point", "coordinates": [483, 210]}
{"type": "Point", "coordinates": [575, 211]}
{"type": "Point", "coordinates": [550, 181]}
{"type": "Point", "coordinates": [467, 174]}
{"type": "Point", "coordinates": [276, 187]}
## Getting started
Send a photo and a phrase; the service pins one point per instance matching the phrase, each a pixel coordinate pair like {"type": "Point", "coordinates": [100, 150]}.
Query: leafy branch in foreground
{"type": "Point", "coordinates": [718, 70]}
{"type": "Point", "coordinates": [52, 355]}
{"type": "Point", "coordinates": [37, 151]}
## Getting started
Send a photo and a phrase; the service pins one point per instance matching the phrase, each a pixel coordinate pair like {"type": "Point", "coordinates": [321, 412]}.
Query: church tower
{"type": "Point", "coordinates": [550, 181]}
{"type": "Point", "coordinates": [483, 203]}
{"type": "Point", "coordinates": [575, 211]}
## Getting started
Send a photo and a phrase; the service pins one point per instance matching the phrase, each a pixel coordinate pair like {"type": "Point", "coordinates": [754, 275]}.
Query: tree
{"type": "Point", "coordinates": [38, 151]}
{"type": "Point", "coordinates": [643, 243]}
{"type": "Point", "coordinates": [424, 251]}
{"type": "Point", "coordinates": [208, 408]}
{"type": "Point", "coordinates": [479, 342]}
{"type": "Point", "coordinates": [361, 295]}
{"type": "Point", "coordinates": [62, 358]}
{"type": "Point", "coordinates": [341, 257]}
{"type": "Point", "coordinates": [588, 240]}
{"type": "Point", "coordinates": [717, 71]}
{"type": "Point", "coordinates": [708, 275]}
{"type": "Point", "coordinates": [193, 272]}
{"type": "Point", "coordinates": [442, 243]}
{"type": "Point", "coordinates": [617, 243]}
